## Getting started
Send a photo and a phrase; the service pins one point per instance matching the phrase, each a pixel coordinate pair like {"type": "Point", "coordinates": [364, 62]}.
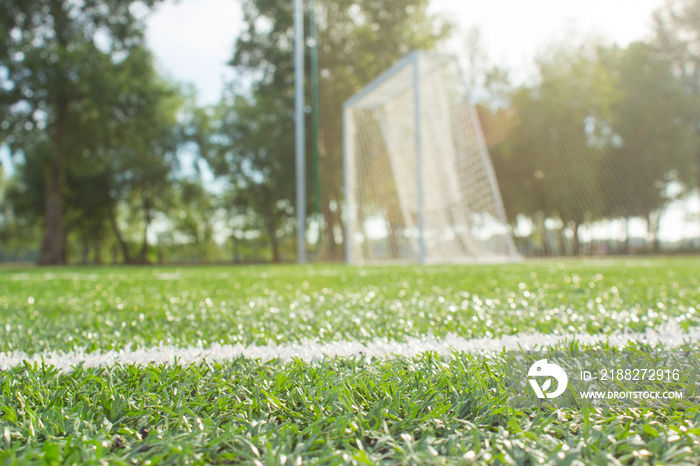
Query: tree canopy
{"type": "Point", "coordinates": [60, 62]}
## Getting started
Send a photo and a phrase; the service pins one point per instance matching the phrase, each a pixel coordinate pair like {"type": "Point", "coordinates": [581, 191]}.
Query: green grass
{"type": "Point", "coordinates": [105, 308]}
{"type": "Point", "coordinates": [422, 410]}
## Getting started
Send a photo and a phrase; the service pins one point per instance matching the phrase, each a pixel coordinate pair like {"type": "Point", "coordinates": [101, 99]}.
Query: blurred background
{"type": "Point", "coordinates": [151, 132]}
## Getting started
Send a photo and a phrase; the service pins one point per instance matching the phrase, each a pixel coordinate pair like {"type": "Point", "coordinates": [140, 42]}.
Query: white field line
{"type": "Point", "coordinates": [313, 350]}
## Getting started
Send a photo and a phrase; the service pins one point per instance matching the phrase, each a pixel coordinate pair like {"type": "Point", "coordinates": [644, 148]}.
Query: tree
{"type": "Point", "coordinates": [55, 58]}
{"type": "Point", "coordinates": [653, 143]}
{"type": "Point", "coordinates": [142, 156]}
{"type": "Point", "coordinates": [603, 133]}
{"type": "Point", "coordinates": [677, 40]}
{"type": "Point", "coordinates": [252, 146]}
{"type": "Point", "coordinates": [120, 173]}
{"type": "Point", "coordinates": [556, 149]}
{"type": "Point", "coordinates": [22, 207]}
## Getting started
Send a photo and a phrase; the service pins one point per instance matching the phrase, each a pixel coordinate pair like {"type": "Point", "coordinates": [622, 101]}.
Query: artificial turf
{"type": "Point", "coordinates": [423, 410]}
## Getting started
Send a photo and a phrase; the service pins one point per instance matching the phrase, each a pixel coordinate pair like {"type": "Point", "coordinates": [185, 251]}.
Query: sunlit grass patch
{"type": "Point", "coordinates": [94, 308]}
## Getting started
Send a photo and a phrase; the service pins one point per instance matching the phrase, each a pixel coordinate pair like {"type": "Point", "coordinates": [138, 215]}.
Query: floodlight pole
{"type": "Point", "coordinates": [419, 167]}
{"type": "Point", "coordinates": [299, 127]}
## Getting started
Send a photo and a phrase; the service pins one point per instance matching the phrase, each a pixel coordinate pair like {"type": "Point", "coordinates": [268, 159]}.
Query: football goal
{"type": "Point", "coordinates": [419, 185]}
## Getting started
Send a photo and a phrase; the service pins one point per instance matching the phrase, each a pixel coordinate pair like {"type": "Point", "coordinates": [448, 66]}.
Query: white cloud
{"type": "Point", "coordinates": [515, 30]}
{"type": "Point", "coordinates": [193, 40]}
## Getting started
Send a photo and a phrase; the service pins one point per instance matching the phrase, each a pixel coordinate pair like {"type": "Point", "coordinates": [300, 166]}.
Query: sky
{"type": "Point", "coordinates": [515, 30]}
{"type": "Point", "coordinates": [193, 39]}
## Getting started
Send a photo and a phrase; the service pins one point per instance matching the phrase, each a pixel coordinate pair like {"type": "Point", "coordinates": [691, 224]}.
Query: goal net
{"type": "Point", "coordinates": [419, 183]}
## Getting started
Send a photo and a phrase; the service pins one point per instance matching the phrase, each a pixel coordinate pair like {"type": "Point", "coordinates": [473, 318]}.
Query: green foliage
{"type": "Point", "coordinates": [560, 138]}
{"type": "Point", "coordinates": [677, 40]}
{"type": "Point", "coordinates": [60, 60]}
{"type": "Point", "coordinates": [602, 133]}
{"type": "Point", "coordinates": [19, 235]}
{"type": "Point", "coordinates": [192, 216]}
{"type": "Point", "coordinates": [654, 142]}
{"type": "Point", "coordinates": [128, 159]}
{"type": "Point", "coordinates": [256, 154]}
{"type": "Point", "coordinates": [94, 129]}
{"type": "Point", "coordinates": [142, 162]}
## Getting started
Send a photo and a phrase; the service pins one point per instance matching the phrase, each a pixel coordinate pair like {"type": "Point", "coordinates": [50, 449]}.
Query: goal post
{"type": "Point", "coordinates": [419, 185]}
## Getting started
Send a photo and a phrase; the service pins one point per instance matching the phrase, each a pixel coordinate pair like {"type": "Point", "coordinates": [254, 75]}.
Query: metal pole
{"type": "Point", "coordinates": [316, 173]}
{"type": "Point", "coordinates": [419, 168]}
{"type": "Point", "coordinates": [299, 126]}
{"type": "Point", "coordinates": [348, 134]}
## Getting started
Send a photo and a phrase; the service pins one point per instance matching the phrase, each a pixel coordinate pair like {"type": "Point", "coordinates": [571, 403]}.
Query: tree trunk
{"type": "Point", "coordinates": [274, 243]}
{"type": "Point", "coordinates": [147, 218]}
{"type": "Point", "coordinates": [86, 252]}
{"type": "Point", "coordinates": [577, 240]}
{"type": "Point", "coordinates": [628, 243]}
{"type": "Point", "coordinates": [272, 234]}
{"type": "Point", "coordinates": [653, 228]}
{"type": "Point", "coordinates": [52, 252]}
{"type": "Point", "coordinates": [97, 258]}
{"type": "Point", "coordinates": [546, 245]}
{"type": "Point", "coordinates": [563, 242]}
{"type": "Point", "coordinates": [236, 249]}
{"type": "Point", "coordinates": [120, 239]}
{"type": "Point", "coordinates": [142, 259]}
{"type": "Point", "coordinates": [341, 224]}
{"type": "Point", "coordinates": [52, 246]}
{"type": "Point", "coordinates": [330, 234]}
{"type": "Point", "coordinates": [697, 155]}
